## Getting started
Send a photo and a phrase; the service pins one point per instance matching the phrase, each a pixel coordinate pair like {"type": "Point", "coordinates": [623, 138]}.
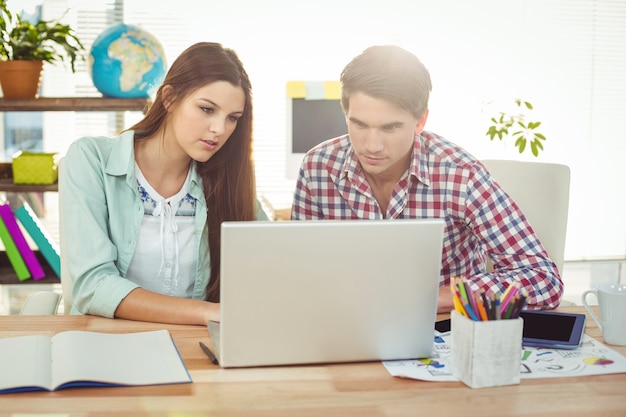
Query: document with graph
{"type": "Point", "coordinates": [591, 358]}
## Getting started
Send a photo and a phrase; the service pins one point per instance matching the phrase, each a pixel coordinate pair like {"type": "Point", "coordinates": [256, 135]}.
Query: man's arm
{"type": "Point", "coordinates": [510, 243]}
{"type": "Point", "coordinates": [304, 207]}
{"type": "Point", "coordinates": [445, 303]}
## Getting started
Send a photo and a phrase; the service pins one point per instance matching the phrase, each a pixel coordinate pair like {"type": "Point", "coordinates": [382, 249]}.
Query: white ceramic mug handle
{"type": "Point", "coordinates": [589, 310]}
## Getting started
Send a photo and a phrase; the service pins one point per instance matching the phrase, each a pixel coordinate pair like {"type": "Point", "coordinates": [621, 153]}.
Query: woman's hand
{"type": "Point", "coordinates": [212, 312]}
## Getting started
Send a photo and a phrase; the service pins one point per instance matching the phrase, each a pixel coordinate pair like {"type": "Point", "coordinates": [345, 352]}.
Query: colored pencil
{"type": "Point", "coordinates": [477, 306]}
{"type": "Point", "coordinates": [481, 308]}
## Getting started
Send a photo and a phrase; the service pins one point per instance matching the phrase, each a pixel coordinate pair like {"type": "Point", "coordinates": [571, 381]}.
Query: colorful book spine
{"type": "Point", "coordinates": [46, 244]}
{"type": "Point", "coordinates": [31, 261]}
{"type": "Point", "coordinates": [12, 253]}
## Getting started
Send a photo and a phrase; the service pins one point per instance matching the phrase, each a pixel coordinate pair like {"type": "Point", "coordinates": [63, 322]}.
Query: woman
{"type": "Point", "coordinates": [142, 211]}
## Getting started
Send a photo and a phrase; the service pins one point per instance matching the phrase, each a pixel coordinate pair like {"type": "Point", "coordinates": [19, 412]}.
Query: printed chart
{"type": "Point", "coordinates": [592, 358]}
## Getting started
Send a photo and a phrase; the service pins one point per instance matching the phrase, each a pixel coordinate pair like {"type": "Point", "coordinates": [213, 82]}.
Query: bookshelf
{"type": "Point", "coordinates": [7, 185]}
{"type": "Point", "coordinates": [74, 104]}
{"type": "Point", "coordinates": [8, 276]}
{"type": "Point", "coordinates": [59, 104]}
{"type": "Point", "coordinates": [54, 104]}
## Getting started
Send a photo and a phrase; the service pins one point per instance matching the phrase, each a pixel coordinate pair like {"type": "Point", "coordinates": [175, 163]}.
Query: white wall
{"type": "Point", "coordinates": [567, 57]}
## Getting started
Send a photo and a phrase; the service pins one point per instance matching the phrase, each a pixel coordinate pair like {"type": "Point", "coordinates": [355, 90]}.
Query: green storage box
{"type": "Point", "coordinates": [35, 168]}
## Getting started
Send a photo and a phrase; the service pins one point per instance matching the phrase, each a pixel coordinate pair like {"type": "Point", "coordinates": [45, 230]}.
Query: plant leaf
{"type": "Point", "coordinates": [521, 144]}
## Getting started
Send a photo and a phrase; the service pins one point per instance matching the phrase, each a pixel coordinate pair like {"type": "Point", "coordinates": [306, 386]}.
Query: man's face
{"type": "Point", "coordinates": [382, 135]}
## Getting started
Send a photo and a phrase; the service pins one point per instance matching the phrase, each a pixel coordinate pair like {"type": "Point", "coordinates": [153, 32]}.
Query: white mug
{"type": "Point", "coordinates": [612, 301]}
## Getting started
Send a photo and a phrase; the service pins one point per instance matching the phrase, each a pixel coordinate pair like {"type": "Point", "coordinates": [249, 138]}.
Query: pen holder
{"type": "Point", "coordinates": [486, 353]}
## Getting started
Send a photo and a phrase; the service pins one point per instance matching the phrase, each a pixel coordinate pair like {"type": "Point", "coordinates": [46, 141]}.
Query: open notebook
{"type": "Point", "coordinates": [76, 358]}
{"type": "Point", "coordinates": [327, 291]}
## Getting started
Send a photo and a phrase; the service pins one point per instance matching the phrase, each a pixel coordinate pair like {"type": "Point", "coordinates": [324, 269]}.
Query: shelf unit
{"type": "Point", "coordinates": [74, 104]}
{"type": "Point", "coordinates": [59, 104]}
{"type": "Point", "coordinates": [46, 104]}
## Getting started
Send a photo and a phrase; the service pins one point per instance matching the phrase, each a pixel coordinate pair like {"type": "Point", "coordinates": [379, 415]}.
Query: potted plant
{"type": "Point", "coordinates": [24, 47]}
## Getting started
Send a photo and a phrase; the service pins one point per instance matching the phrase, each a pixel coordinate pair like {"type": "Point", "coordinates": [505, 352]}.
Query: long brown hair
{"type": "Point", "coordinates": [228, 177]}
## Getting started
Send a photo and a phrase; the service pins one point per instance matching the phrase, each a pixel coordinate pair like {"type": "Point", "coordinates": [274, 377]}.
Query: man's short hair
{"type": "Point", "coordinates": [390, 73]}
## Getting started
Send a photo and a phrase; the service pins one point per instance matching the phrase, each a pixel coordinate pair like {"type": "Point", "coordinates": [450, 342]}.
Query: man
{"type": "Point", "coordinates": [388, 167]}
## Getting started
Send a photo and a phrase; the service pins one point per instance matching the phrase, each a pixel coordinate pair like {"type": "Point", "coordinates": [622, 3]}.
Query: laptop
{"type": "Point", "coordinates": [327, 291]}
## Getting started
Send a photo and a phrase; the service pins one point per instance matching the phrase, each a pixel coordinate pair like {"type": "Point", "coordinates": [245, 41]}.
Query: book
{"type": "Point", "coordinates": [46, 244]}
{"type": "Point", "coordinates": [31, 261]}
{"type": "Point", "coordinates": [21, 270]}
{"type": "Point", "coordinates": [81, 358]}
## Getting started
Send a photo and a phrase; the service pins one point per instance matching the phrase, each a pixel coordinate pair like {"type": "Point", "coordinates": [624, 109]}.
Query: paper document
{"type": "Point", "coordinates": [592, 358]}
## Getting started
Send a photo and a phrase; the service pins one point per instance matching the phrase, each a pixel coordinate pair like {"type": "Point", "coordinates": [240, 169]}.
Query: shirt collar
{"type": "Point", "coordinates": [351, 167]}
{"type": "Point", "coordinates": [419, 162]}
{"type": "Point", "coordinates": [122, 162]}
{"type": "Point", "coordinates": [418, 169]}
{"type": "Point", "coordinates": [195, 184]}
{"type": "Point", "coordinates": [119, 162]}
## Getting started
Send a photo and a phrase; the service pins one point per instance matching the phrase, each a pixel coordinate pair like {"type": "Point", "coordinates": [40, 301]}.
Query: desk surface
{"type": "Point", "coordinates": [363, 389]}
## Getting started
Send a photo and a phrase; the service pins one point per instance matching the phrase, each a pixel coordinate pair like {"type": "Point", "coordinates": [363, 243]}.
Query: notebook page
{"type": "Point", "coordinates": [144, 358]}
{"type": "Point", "coordinates": [25, 362]}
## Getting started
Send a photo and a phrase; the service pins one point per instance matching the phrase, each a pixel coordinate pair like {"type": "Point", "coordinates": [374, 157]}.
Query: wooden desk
{"type": "Point", "coordinates": [364, 389]}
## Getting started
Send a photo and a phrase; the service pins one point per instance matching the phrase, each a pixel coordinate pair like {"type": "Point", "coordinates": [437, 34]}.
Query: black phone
{"type": "Point", "coordinates": [442, 326]}
{"type": "Point", "coordinates": [551, 329]}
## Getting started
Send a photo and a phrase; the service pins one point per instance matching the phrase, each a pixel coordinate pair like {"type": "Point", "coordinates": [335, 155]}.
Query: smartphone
{"type": "Point", "coordinates": [551, 329]}
{"type": "Point", "coordinates": [442, 326]}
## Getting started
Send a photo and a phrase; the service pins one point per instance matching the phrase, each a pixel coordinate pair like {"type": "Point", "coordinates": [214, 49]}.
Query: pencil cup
{"type": "Point", "coordinates": [486, 353]}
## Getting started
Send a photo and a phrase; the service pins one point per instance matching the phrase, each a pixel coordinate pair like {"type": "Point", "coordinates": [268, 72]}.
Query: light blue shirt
{"type": "Point", "coordinates": [102, 214]}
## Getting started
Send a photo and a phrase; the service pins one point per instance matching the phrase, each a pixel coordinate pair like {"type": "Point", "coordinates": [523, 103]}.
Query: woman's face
{"type": "Point", "coordinates": [203, 121]}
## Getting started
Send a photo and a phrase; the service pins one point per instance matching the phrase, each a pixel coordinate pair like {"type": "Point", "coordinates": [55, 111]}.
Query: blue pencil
{"type": "Point", "coordinates": [497, 306]}
{"type": "Point", "coordinates": [471, 312]}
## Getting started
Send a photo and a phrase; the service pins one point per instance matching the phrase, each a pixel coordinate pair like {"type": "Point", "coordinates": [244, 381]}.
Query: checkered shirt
{"type": "Point", "coordinates": [443, 181]}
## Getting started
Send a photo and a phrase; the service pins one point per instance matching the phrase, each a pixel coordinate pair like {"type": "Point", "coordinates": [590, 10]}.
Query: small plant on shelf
{"type": "Point", "coordinates": [34, 43]}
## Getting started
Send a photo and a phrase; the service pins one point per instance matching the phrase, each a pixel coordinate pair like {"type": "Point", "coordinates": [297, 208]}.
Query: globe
{"type": "Point", "coordinates": [126, 61]}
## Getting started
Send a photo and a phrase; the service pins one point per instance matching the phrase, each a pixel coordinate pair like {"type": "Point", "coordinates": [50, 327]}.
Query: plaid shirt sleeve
{"type": "Point", "coordinates": [511, 244]}
{"type": "Point", "coordinates": [304, 205]}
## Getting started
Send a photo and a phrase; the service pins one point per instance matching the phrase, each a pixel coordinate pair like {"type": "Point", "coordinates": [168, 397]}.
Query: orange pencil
{"type": "Point", "coordinates": [481, 308]}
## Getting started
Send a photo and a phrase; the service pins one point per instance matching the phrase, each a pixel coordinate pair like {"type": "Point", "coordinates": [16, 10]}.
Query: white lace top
{"type": "Point", "coordinates": [165, 260]}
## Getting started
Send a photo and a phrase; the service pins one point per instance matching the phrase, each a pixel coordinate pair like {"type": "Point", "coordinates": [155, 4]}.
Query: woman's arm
{"type": "Point", "coordinates": [90, 254]}
{"type": "Point", "coordinates": [144, 305]}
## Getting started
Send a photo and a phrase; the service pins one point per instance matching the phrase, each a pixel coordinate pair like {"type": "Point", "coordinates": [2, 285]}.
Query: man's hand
{"type": "Point", "coordinates": [444, 302]}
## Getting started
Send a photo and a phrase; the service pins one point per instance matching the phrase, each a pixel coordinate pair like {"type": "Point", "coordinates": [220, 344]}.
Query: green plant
{"type": "Point", "coordinates": [48, 41]}
{"type": "Point", "coordinates": [526, 132]}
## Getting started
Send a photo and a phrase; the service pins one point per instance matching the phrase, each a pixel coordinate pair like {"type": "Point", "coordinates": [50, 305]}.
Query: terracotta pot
{"type": "Point", "coordinates": [20, 79]}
